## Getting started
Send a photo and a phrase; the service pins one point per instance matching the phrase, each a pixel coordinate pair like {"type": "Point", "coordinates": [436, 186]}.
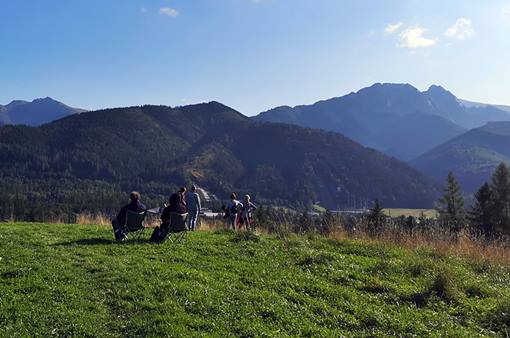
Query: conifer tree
{"type": "Point", "coordinates": [376, 217]}
{"type": "Point", "coordinates": [451, 205]}
{"type": "Point", "coordinates": [482, 211]}
{"type": "Point", "coordinates": [500, 186]}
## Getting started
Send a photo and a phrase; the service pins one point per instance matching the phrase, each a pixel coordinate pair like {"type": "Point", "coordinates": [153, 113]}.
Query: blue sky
{"type": "Point", "coordinates": [249, 54]}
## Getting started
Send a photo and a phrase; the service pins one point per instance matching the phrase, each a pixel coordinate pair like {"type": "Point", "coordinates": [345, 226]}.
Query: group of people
{"type": "Point", "coordinates": [186, 204]}
{"type": "Point", "coordinates": [238, 213]}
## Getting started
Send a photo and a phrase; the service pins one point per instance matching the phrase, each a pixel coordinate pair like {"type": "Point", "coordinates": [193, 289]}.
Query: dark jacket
{"type": "Point", "coordinates": [135, 206]}
{"type": "Point", "coordinates": [176, 204]}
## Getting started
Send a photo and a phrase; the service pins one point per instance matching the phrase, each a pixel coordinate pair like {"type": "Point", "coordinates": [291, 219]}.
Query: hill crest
{"type": "Point", "coordinates": [156, 149]}
{"type": "Point", "coordinates": [36, 112]}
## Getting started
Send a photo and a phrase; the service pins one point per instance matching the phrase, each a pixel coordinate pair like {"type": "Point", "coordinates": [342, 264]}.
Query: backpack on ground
{"type": "Point", "coordinates": [159, 235]}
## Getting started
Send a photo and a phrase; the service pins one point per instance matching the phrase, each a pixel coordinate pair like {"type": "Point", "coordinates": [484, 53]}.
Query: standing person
{"type": "Point", "coordinates": [119, 222]}
{"type": "Point", "coordinates": [233, 210]}
{"type": "Point", "coordinates": [247, 212]}
{"type": "Point", "coordinates": [194, 207]}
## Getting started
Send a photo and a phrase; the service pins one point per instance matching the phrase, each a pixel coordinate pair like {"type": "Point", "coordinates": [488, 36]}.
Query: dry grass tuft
{"type": "Point", "coordinates": [210, 224]}
{"type": "Point", "coordinates": [464, 244]}
{"type": "Point", "coordinates": [92, 219]}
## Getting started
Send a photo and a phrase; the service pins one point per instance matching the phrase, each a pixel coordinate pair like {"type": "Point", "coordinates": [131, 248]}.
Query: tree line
{"type": "Point", "coordinates": [490, 212]}
{"type": "Point", "coordinates": [488, 215]}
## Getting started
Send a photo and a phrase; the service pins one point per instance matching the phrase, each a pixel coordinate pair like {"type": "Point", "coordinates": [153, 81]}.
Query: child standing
{"type": "Point", "coordinates": [247, 213]}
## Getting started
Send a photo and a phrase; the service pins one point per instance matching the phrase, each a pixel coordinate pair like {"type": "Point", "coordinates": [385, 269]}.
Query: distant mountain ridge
{"type": "Point", "coordinates": [156, 149]}
{"type": "Point", "coordinates": [472, 156]}
{"type": "Point", "coordinates": [479, 104]}
{"type": "Point", "coordinates": [397, 119]}
{"type": "Point", "coordinates": [36, 112]}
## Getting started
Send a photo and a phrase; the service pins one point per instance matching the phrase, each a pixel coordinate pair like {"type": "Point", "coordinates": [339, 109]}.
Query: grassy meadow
{"type": "Point", "coordinates": [73, 280]}
{"type": "Point", "coordinates": [397, 212]}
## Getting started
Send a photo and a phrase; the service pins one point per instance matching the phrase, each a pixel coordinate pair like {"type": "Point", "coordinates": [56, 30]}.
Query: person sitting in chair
{"type": "Point", "coordinates": [175, 205]}
{"type": "Point", "coordinates": [118, 223]}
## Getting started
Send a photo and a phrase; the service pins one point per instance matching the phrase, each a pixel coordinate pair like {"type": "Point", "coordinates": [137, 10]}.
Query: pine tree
{"type": "Point", "coordinates": [376, 217]}
{"type": "Point", "coordinates": [500, 186]}
{"type": "Point", "coordinates": [482, 211]}
{"type": "Point", "coordinates": [410, 224]}
{"type": "Point", "coordinates": [451, 205]}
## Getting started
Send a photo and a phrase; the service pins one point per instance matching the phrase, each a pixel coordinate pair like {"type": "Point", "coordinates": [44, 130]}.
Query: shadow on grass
{"type": "Point", "coordinates": [101, 241]}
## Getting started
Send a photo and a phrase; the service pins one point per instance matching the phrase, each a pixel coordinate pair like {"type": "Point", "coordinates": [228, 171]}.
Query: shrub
{"type": "Point", "coordinates": [444, 286]}
{"type": "Point", "coordinates": [499, 319]}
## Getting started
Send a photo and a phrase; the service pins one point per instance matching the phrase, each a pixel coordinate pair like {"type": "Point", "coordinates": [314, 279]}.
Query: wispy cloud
{"type": "Point", "coordinates": [168, 11]}
{"type": "Point", "coordinates": [143, 10]}
{"type": "Point", "coordinates": [413, 37]}
{"type": "Point", "coordinates": [462, 29]}
{"type": "Point", "coordinates": [392, 28]}
{"type": "Point", "coordinates": [506, 11]}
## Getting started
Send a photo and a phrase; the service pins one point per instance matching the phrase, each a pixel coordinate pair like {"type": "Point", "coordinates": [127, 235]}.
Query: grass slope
{"type": "Point", "coordinates": [66, 280]}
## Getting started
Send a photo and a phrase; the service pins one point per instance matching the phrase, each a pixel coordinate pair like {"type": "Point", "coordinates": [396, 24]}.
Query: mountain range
{"type": "Point", "coordinates": [472, 156]}
{"type": "Point", "coordinates": [286, 156]}
{"type": "Point", "coordinates": [156, 148]}
{"type": "Point", "coordinates": [482, 105]}
{"type": "Point", "coordinates": [36, 112]}
{"type": "Point", "coordinates": [396, 119]}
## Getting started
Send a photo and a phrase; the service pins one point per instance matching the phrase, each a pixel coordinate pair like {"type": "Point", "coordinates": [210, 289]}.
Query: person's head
{"type": "Point", "coordinates": [134, 196]}
{"type": "Point", "coordinates": [247, 198]}
{"type": "Point", "coordinates": [193, 188]}
{"type": "Point", "coordinates": [233, 196]}
{"type": "Point", "coordinates": [182, 190]}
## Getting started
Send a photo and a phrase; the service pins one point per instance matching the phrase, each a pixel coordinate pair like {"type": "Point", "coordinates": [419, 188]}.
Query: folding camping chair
{"type": "Point", "coordinates": [177, 229]}
{"type": "Point", "coordinates": [135, 224]}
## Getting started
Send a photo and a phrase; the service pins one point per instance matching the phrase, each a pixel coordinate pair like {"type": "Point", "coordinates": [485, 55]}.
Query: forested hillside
{"type": "Point", "coordinates": [472, 156]}
{"type": "Point", "coordinates": [87, 162]}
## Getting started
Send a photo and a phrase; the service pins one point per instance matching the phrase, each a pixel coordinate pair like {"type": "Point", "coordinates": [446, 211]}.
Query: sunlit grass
{"type": "Point", "coordinates": [73, 280]}
{"type": "Point", "coordinates": [396, 212]}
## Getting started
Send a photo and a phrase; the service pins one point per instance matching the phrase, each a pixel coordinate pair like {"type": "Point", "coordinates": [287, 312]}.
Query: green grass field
{"type": "Point", "coordinates": [395, 212]}
{"type": "Point", "coordinates": [68, 280]}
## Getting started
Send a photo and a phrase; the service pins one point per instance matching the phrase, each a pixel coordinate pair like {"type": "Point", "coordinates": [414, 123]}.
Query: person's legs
{"type": "Point", "coordinates": [237, 221]}
{"type": "Point", "coordinates": [252, 224]}
{"type": "Point", "coordinates": [197, 219]}
{"type": "Point", "coordinates": [117, 230]}
{"type": "Point", "coordinates": [232, 221]}
{"type": "Point", "coordinates": [192, 220]}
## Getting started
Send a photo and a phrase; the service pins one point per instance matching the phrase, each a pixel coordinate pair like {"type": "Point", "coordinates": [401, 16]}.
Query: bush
{"type": "Point", "coordinates": [444, 286]}
{"type": "Point", "coordinates": [499, 319]}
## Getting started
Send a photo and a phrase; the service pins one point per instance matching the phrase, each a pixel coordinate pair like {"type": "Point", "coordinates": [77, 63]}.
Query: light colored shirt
{"type": "Point", "coordinates": [231, 203]}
